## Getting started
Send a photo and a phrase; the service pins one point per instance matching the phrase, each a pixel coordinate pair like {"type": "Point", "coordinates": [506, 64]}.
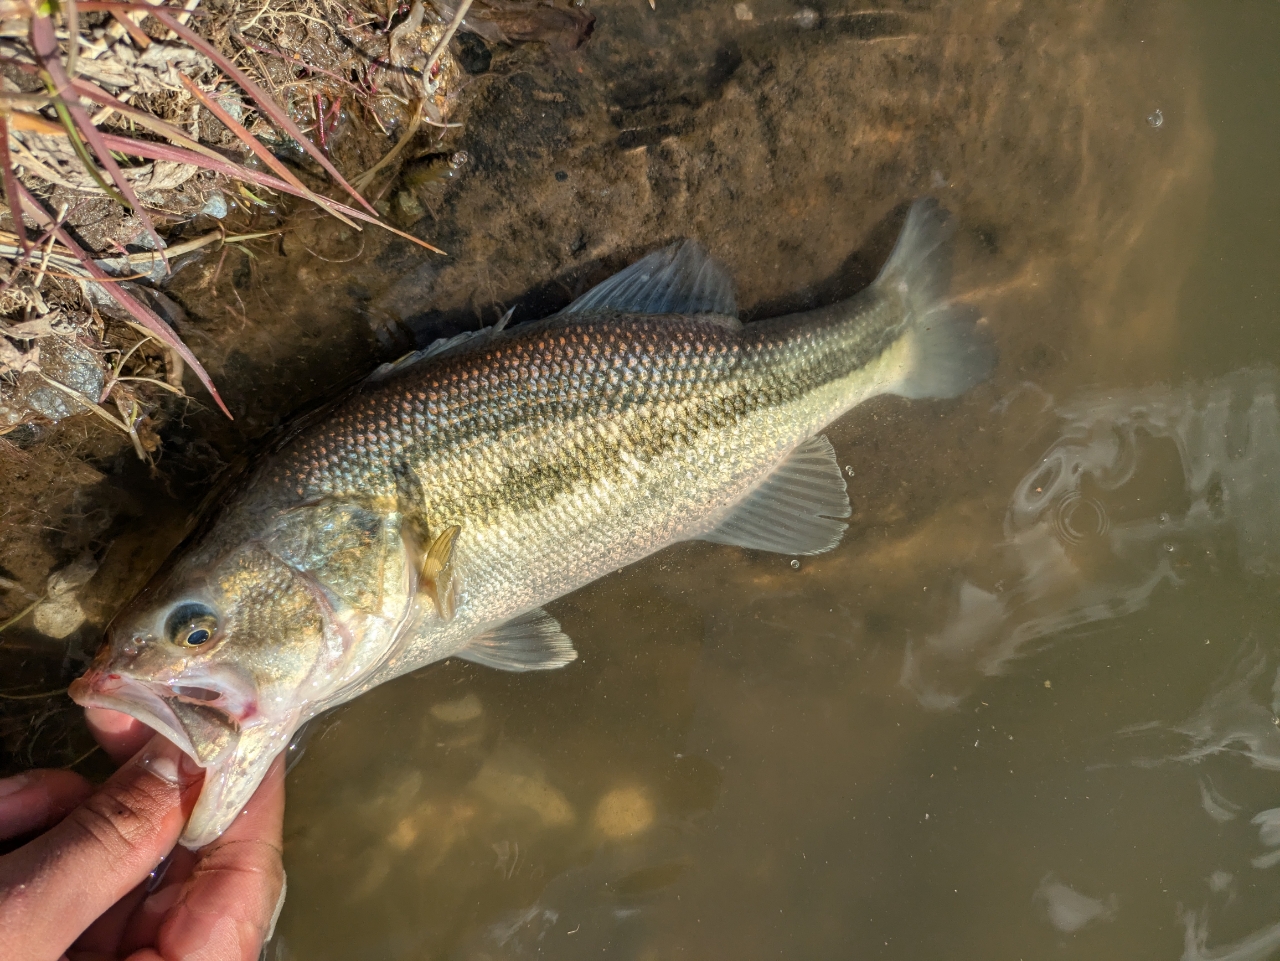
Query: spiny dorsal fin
{"type": "Point", "coordinates": [468, 338]}
{"type": "Point", "coordinates": [679, 279]}
{"type": "Point", "coordinates": [794, 510]}
{"type": "Point", "coordinates": [532, 642]}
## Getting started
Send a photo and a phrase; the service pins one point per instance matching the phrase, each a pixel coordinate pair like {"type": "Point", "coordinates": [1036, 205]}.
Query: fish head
{"type": "Point", "coordinates": [226, 658]}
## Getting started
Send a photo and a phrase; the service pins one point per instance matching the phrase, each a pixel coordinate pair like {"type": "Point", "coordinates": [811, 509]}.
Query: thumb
{"type": "Point", "coordinates": [56, 886]}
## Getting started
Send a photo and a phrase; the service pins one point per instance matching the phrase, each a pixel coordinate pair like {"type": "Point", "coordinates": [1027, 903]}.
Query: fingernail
{"type": "Point", "coordinates": [12, 785]}
{"type": "Point", "coordinates": [167, 762]}
{"type": "Point", "coordinates": [155, 878]}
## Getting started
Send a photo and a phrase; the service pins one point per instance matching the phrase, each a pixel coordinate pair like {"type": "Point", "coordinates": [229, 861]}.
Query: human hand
{"type": "Point", "coordinates": [84, 890]}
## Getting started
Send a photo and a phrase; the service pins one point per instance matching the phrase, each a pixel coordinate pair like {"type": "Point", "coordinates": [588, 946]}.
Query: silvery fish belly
{"type": "Point", "coordinates": [436, 509]}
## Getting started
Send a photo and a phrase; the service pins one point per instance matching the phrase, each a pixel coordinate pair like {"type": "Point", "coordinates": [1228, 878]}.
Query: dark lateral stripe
{"type": "Point", "coordinates": [450, 417]}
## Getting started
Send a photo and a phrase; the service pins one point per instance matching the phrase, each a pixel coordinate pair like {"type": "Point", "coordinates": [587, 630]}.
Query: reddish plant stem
{"type": "Point", "coordinates": [11, 187]}
{"type": "Point", "coordinates": [136, 309]}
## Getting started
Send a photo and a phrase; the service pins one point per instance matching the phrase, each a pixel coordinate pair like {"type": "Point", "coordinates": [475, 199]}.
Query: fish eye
{"type": "Point", "coordinates": [190, 625]}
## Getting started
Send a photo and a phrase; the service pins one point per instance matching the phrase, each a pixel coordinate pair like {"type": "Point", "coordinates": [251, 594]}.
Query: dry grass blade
{"type": "Point", "coordinates": [144, 315]}
{"type": "Point", "coordinates": [111, 6]}
{"type": "Point", "coordinates": [440, 47]}
{"type": "Point", "coordinates": [72, 15]}
{"type": "Point", "coordinates": [177, 250]}
{"type": "Point", "coordinates": [293, 59]}
{"type": "Point", "coordinates": [366, 178]}
{"type": "Point", "coordinates": [44, 43]}
{"type": "Point", "coordinates": [249, 140]}
{"type": "Point", "coordinates": [142, 118]}
{"type": "Point", "coordinates": [38, 696]}
{"type": "Point", "coordinates": [151, 150]}
{"type": "Point", "coordinates": [264, 102]}
{"type": "Point", "coordinates": [163, 151]}
{"type": "Point", "coordinates": [134, 31]}
{"type": "Point", "coordinates": [21, 120]}
{"type": "Point", "coordinates": [11, 186]}
{"type": "Point", "coordinates": [82, 152]}
{"type": "Point", "coordinates": [21, 614]}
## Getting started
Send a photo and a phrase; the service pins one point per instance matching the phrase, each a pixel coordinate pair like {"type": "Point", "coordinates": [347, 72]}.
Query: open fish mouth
{"type": "Point", "coordinates": [160, 706]}
{"type": "Point", "coordinates": [119, 692]}
{"type": "Point", "coordinates": [218, 726]}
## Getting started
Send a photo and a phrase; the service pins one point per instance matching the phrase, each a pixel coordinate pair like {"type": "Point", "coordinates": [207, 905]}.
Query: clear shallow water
{"type": "Point", "coordinates": [1027, 709]}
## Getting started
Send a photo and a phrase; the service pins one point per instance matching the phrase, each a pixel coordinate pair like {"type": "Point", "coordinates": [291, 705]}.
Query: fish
{"type": "Point", "coordinates": [435, 510]}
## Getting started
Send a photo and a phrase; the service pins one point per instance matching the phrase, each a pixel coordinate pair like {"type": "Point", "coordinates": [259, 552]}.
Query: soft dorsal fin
{"type": "Point", "coordinates": [532, 642]}
{"type": "Point", "coordinates": [679, 279]}
{"type": "Point", "coordinates": [468, 338]}
{"type": "Point", "coordinates": [794, 511]}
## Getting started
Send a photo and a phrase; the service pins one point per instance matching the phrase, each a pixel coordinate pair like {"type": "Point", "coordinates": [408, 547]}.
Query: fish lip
{"type": "Point", "coordinates": [128, 695]}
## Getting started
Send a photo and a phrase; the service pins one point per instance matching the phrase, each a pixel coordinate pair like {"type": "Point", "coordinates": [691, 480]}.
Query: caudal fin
{"type": "Point", "coordinates": [950, 350]}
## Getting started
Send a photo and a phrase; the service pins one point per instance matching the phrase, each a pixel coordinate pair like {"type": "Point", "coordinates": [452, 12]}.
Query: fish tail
{"type": "Point", "coordinates": [948, 347]}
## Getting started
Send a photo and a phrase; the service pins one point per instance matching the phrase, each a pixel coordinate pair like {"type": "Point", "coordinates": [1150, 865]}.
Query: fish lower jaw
{"type": "Point", "coordinates": [115, 692]}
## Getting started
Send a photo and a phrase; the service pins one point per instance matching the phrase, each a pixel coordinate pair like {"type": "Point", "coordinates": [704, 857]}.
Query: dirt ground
{"type": "Point", "coordinates": [787, 138]}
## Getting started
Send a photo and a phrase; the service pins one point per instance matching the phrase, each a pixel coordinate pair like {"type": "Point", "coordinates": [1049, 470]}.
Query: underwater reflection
{"type": "Point", "coordinates": [1141, 487]}
{"type": "Point", "coordinates": [1239, 717]}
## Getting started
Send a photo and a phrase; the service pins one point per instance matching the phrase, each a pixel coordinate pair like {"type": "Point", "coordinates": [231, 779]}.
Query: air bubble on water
{"type": "Point", "coordinates": [1165, 518]}
{"type": "Point", "coordinates": [1156, 119]}
{"type": "Point", "coordinates": [1168, 547]}
{"type": "Point", "coordinates": [1079, 517]}
{"type": "Point", "coordinates": [795, 564]}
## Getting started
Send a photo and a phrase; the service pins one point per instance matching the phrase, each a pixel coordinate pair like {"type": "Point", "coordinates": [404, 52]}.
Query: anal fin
{"type": "Point", "coordinates": [795, 510]}
{"type": "Point", "coordinates": [531, 642]}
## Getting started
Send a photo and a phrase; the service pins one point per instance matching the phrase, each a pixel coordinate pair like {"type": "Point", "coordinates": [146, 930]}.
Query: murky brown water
{"type": "Point", "coordinates": [1029, 707]}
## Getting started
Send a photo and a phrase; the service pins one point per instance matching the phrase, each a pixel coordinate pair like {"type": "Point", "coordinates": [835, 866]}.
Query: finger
{"type": "Point", "coordinates": [111, 936]}
{"type": "Point", "coordinates": [54, 887]}
{"type": "Point", "coordinates": [120, 735]}
{"type": "Point", "coordinates": [226, 909]}
{"type": "Point", "coordinates": [154, 907]}
{"type": "Point", "coordinates": [34, 800]}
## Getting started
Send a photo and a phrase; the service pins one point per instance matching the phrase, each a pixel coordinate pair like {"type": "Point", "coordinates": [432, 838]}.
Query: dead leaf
{"type": "Point", "coordinates": [16, 361]}
{"type": "Point", "coordinates": [31, 329]}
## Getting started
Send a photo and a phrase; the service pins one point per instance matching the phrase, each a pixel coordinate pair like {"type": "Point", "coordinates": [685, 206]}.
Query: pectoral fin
{"type": "Point", "coordinates": [435, 576]}
{"type": "Point", "coordinates": [532, 642]}
{"type": "Point", "coordinates": [795, 510]}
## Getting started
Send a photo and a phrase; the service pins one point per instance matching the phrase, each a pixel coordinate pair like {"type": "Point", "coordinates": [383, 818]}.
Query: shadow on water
{"type": "Point", "coordinates": [855, 273]}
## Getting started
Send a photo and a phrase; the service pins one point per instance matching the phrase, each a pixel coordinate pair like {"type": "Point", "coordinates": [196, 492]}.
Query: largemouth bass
{"type": "Point", "coordinates": [435, 510]}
